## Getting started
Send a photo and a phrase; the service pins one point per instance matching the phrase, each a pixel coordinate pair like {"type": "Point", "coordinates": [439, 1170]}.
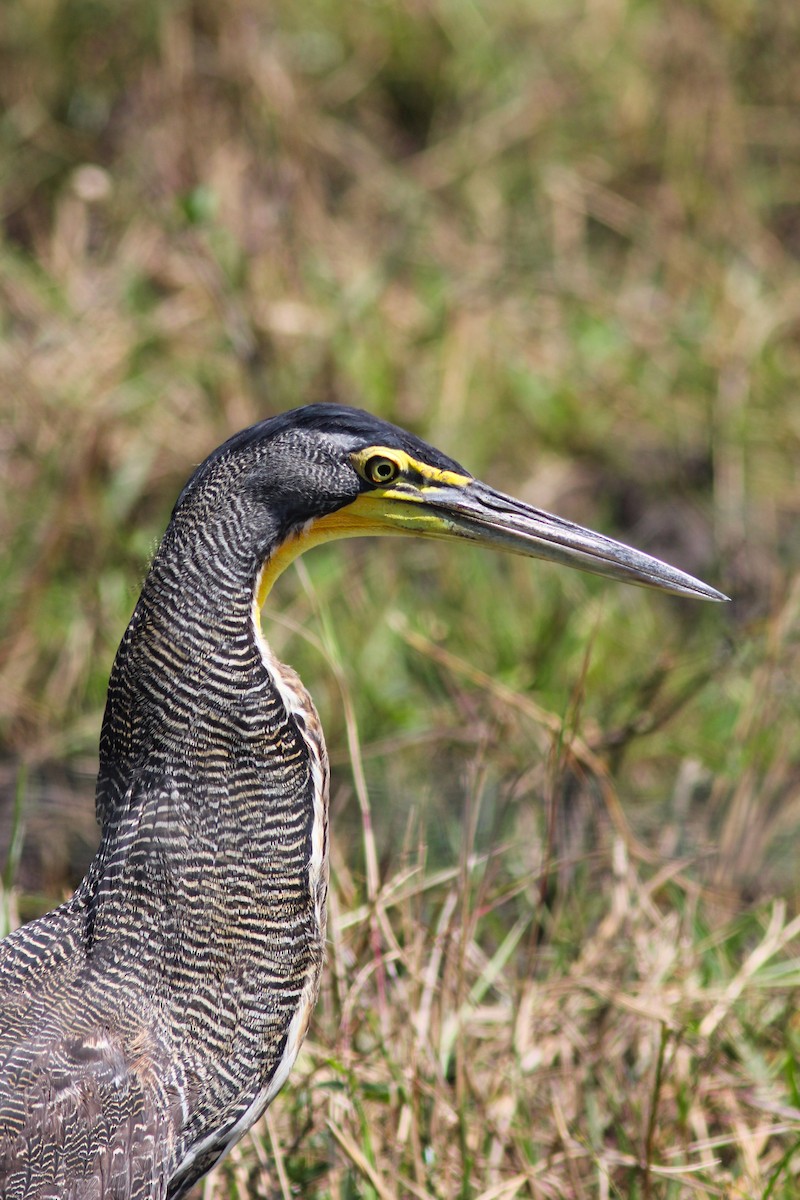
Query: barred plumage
{"type": "Point", "coordinates": [148, 1021]}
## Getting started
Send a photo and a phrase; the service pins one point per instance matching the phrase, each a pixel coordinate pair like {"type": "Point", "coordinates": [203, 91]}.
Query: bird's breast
{"type": "Point", "coordinates": [300, 711]}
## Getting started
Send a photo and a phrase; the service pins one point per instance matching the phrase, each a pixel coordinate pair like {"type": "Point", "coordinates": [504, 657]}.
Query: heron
{"type": "Point", "coordinates": [149, 1020]}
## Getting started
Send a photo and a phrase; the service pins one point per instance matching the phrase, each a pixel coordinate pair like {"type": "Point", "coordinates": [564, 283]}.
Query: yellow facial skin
{"type": "Point", "coordinates": [410, 471]}
{"type": "Point", "coordinates": [383, 510]}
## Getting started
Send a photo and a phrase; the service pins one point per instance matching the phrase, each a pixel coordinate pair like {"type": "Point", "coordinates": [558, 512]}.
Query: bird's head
{"type": "Point", "coordinates": [325, 471]}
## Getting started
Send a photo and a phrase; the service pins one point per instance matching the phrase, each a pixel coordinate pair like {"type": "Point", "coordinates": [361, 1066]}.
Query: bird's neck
{"type": "Point", "coordinates": [209, 889]}
{"type": "Point", "coordinates": [212, 789]}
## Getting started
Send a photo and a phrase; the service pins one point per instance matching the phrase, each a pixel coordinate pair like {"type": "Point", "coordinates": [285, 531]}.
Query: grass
{"type": "Point", "coordinates": [560, 241]}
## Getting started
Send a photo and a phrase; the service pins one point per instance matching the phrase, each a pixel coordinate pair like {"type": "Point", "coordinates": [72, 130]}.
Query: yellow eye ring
{"type": "Point", "coordinates": [381, 470]}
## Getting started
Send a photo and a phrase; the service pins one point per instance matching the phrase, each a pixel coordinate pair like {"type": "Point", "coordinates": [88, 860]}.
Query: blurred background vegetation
{"type": "Point", "coordinates": [559, 239]}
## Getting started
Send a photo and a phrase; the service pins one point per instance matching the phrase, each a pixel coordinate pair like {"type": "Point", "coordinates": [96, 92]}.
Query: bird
{"type": "Point", "coordinates": [149, 1020]}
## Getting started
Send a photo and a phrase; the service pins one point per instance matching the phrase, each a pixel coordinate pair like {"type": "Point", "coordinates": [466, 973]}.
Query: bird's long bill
{"type": "Point", "coordinates": [457, 507]}
{"type": "Point", "coordinates": [483, 515]}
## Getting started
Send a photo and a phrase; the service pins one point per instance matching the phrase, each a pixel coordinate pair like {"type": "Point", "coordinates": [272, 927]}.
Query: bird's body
{"type": "Point", "coordinates": [147, 1022]}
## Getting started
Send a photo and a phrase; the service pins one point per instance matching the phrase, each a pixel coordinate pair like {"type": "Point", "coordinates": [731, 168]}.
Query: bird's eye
{"type": "Point", "coordinates": [381, 470]}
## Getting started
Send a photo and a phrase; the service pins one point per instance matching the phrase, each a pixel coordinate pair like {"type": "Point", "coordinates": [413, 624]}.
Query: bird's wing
{"type": "Point", "coordinates": [81, 1114]}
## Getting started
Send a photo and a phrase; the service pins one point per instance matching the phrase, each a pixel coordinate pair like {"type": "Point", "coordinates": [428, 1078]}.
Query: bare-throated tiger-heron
{"type": "Point", "coordinates": [147, 1022]}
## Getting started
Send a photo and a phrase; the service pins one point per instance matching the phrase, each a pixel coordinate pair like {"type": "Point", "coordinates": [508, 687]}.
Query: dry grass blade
{"type": "Point", "coordinates": [361, 1162]}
